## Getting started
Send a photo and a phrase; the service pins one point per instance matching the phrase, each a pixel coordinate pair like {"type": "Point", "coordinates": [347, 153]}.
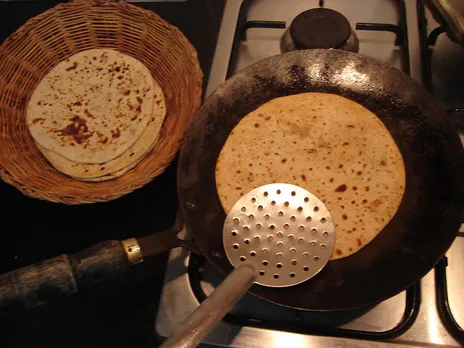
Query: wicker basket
{"type": "Point", "coordinates": [43, 42]}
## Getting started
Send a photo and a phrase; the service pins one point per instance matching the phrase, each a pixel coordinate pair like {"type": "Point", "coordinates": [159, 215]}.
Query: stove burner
{"type": "Point", "coordinates": [320, 28]}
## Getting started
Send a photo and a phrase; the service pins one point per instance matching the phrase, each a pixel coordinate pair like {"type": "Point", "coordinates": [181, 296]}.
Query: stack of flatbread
{"type": "Point", "coordinates": [96, 115]}
{"type": "Point", "coordinates": [327, 144]}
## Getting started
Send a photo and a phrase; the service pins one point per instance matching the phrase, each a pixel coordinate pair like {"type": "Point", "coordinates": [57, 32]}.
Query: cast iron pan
{"type": "Point", "coordinates": [432, 207]}
{"type": "Point", "coordinates": [417, 237]}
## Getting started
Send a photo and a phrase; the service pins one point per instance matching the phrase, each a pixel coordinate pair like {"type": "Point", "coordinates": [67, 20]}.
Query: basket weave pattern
{"type": "Point", "coordinates": [44, 41]}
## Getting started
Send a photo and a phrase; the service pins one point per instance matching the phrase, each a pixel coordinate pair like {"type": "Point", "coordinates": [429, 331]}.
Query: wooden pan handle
{"type": "Point", "coordinates": [42, 282]}
{"type": "Point", "coordinates": [48, 280]}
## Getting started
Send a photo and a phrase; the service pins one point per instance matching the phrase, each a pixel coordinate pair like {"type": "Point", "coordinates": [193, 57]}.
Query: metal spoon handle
{"type": "Point", "coordinates": [200, 323]}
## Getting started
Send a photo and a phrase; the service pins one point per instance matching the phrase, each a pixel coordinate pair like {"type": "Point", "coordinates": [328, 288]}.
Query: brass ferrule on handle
{"type": "Point", "coordinates": [133, 251]}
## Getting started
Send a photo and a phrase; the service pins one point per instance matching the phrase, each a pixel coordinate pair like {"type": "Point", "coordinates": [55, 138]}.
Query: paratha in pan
{"type": "Point", "coordinates": [327, 144]}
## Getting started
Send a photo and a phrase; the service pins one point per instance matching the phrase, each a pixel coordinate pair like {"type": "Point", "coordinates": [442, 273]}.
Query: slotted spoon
{"type": "Point", "coordinates": [276, 235]}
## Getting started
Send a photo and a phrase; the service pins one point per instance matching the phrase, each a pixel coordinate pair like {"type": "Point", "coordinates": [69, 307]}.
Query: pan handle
{"type": "Point", "coordinates": [200, 323]}
{"type": "Point", "coordinates": [42, 282]}
{"type": "Point", "coordinates": [37, 284]}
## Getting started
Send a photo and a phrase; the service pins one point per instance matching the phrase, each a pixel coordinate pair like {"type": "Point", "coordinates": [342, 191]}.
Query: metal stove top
{"type": "Point", "coordinates": [429, 313]}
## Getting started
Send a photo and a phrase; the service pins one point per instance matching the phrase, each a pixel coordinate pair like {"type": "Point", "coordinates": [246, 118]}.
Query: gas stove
{"type": "Point", "coordinates": [404, 34]}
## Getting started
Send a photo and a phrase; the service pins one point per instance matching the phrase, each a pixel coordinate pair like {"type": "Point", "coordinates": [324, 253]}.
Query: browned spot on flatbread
{"type": "Point", "coordinates": [77, 129]}
{"type": "Point", "coordinates": [89, 114]}
{"type": "Point", "coordinates": [72, 67]}
{"type": "Point", "coordinates": [341, 188]}
{"type": "Point", "coordinates": [375, 205]}
{"type": "Point", "coordinates": [102, 139]}
{"type": "Point", "coordinates": [116, 133]}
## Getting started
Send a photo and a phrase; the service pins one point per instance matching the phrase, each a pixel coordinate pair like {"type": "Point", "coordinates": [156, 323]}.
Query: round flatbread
{"type": "Point", "coordinates": [93, 106]}
{"type": "Point", "coordinates": [116, 174]}
{"type": "Point", "coordinates": [121, 164]}
{"type": "Point", "coordinates": [327, 144]}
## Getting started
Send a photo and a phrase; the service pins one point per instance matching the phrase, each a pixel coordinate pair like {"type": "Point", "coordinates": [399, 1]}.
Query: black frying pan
{"type": "Point", "coordinates": [408, 247]}
{"type": "Point", "coordinates": [432, 207]}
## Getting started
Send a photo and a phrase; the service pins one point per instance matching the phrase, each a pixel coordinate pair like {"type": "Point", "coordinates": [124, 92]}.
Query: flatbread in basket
{"type": "Point", "coordinates": [61, 32]}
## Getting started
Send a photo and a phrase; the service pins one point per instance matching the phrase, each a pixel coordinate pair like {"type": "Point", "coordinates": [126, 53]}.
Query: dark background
{"type": "Point", "coordinates": [120, 313]}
